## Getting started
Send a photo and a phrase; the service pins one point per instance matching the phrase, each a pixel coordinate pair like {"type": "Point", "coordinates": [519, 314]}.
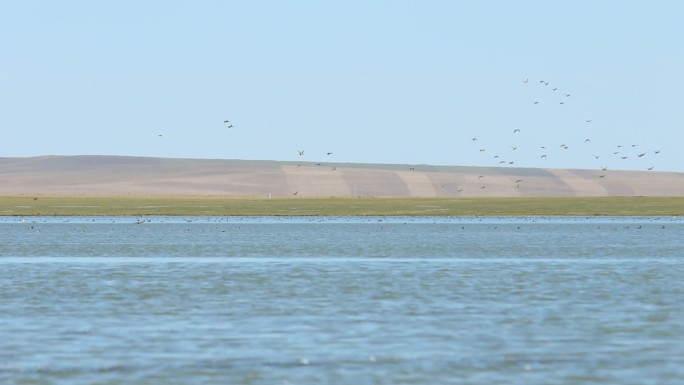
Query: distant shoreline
{"type": "Point", "coordinates": [345, 206]}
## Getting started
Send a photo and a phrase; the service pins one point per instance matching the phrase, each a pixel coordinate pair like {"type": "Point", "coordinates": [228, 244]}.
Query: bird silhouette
{"type": "Point", "coordinates": [301, 152]}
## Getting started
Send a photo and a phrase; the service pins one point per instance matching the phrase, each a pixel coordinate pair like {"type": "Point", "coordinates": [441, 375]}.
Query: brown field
{"type": "Point", "coordinates": [139, 176]}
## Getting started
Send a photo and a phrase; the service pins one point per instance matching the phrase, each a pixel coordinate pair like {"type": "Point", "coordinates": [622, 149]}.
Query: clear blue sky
{"type": "Point", "coordinates": [370, 81]}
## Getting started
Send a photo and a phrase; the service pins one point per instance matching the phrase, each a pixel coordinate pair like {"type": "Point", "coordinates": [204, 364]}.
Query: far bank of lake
{"type": "Point", "coordinates": [338, 206]}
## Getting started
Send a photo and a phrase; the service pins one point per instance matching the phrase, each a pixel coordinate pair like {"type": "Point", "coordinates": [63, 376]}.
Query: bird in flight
{"type": "Point", "coordinates": [588, 120]}
{"type": "Point", "coordinates": [516, 130]}
{"type": "Point", "coordinates": [474, 139]}
{"type": "Point", "coordinates": [301, 152]}
{"type": "Point", "coordinates": [329, 153]}
{"type": "Point", "coordinates": [641, 155]}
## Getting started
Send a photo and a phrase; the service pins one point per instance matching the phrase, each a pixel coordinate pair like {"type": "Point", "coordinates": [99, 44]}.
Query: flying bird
{"type": "Point", "coordinates": [328, 153]}
{"type": "Point", "coordinates": [516, 130]}
{"type": "Point", "coordinates": [301, 152]}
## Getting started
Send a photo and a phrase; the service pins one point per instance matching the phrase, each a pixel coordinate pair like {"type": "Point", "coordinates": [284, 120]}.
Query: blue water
{"type": "Point", "coordinates": [203, 300]}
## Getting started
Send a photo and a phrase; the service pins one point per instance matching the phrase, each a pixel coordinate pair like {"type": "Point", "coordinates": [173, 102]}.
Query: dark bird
{"type": "Point", "coordinates": [536, 102]}
{"type": "Point", "coordinates": [567, 95]}
{"type": "Point", "coordinates": [525, 81]}
{"type": "Point", "coordinates": [474, 139]}
{"type": "Point", "coordinates": [604, 168]}
{"type": "Point", "coordinates": [301, 152]}
{"type": "Point", "coordinates": [656, 151]}
{"type": "Point", "coordinates": [543, 156]}
{"type": "Point", "coordinates": [516, 130]}
{"type": "Point", "coordinates": [650, 168]}
{"type": "Point", "coordinates": [328, 153]}
{"type": "Point", "coordinates": [588, 120]}
{"type": "Point", "coordinates": [587, 140]}
{"type": "Point", "coordinates": [226, 121]}
{"type": "Point", "coordinates": [295, 193]}
{"type": "Point", "coordinates": [641, 155]}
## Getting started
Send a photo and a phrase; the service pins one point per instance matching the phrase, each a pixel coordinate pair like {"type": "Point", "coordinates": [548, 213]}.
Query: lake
{"type": "Point", "coordinates": [341, 300]}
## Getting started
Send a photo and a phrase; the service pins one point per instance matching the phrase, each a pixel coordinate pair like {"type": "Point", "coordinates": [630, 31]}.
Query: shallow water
{"type": "Point", "coordinates": [341, 300]}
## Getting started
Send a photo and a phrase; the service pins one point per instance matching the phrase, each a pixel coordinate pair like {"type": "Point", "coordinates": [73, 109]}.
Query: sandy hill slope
{"type": "Point", "coordinates": [121, 175]}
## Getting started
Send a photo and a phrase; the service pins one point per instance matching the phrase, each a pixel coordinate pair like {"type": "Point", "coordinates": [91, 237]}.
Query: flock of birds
{"type": "Point", "coordinates": [620, 152]}
{"type": "Point", "coordinates": [507, 158]}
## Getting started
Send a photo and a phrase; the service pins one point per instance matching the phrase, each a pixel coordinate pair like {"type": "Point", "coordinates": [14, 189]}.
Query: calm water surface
{"type": "Point", "coordinates": [341, 300]}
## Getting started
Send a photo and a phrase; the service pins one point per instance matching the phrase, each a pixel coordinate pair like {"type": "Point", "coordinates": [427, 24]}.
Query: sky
{"type": "Point", "coordinates": [408, 82]}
